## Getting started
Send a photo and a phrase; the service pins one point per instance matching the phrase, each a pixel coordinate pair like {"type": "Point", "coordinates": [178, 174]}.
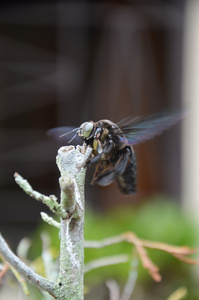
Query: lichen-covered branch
{"type": "Point", "coordinates": [50, 201]}
{"type": "Point", "coordinates": [71, 162]}
{"type": "Point", "coordinates": [46, 218]}
{"type": "Point", "coordinates": [69, 285]}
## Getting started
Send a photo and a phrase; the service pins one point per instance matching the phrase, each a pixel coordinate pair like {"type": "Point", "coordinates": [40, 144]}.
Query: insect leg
{"type": "Point", "coordinates": [104, 178]}
{"type": "Point", "coordinates": [107, 149]}
{"type": "Point", "coordinates": [93, 160]}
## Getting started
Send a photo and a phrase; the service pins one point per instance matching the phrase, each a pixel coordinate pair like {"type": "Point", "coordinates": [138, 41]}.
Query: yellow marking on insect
{"type": "Point", "coordinates": [95, 144]}
{"type": "Point", "coordinates": [104, 134]}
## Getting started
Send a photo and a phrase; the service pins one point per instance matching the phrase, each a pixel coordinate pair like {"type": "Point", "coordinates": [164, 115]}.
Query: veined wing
{"type": "Point", "coordinates": [140, 129]}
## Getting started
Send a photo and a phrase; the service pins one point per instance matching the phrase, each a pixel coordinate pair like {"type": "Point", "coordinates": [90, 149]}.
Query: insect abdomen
{"type": "Point", "coordinates": [127, 181]}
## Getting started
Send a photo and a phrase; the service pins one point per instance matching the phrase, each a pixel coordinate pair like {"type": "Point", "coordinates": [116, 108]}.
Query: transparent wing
{"type": "Point", "coordinates": [65, 135]}
{"type": "Point", "coordinates": [140, 129]}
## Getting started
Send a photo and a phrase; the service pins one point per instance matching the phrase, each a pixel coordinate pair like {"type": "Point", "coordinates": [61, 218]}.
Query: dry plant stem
{"type": "Point", "coordinates": [114, 289]}
{"type": "Point", "coordinates": [71, 163]}
{"type": "Point", "coordinates": [141, 245]}
{"type": "Point", "coordinates": [105, 242]}
{"type": "Point", "coordinates": [133, 273]}
{"type": "Point", "coordinates": [106, 261]}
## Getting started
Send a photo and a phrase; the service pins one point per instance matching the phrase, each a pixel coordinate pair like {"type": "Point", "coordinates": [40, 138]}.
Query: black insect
{"type": "Point", "coordinates": [112, 145]}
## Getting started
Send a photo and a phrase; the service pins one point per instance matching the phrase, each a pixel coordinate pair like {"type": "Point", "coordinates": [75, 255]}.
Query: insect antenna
{"type": "Point", "coordinates": [73, 137]}
{"type": "Point", "coordinates": [69, 133]}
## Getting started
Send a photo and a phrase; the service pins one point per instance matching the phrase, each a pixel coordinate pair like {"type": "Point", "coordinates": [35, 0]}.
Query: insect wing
{"type": "Point", "coordinates": [65, 135]}
{"type": "Point", "coordinates": [137, 130]}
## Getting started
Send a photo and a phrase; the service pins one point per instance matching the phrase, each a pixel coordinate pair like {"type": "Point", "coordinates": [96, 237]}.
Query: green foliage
{"type": "Point", "coordinates": [158, 219]}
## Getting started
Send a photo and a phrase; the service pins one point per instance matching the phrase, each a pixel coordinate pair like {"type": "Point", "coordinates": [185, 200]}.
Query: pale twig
{"type": "Point", "coordinates": [106, 261]}
{"type": "Point", "coordinates": [50, 220]}
{"type": "Point", "coordinates": [178, 252]}
{"type": "Point", "coordinates": [20, 280]}
{"type": "Point", "coordinates": [130, 284]}
{"type": "Point", "coordinates": [114, 291]}
{"type": "Point", "coordinates": [105, 242]}
{"type": "Point", "coordinates": [23, 248]}
{"type": "Point", "coordinates": [133, 273]}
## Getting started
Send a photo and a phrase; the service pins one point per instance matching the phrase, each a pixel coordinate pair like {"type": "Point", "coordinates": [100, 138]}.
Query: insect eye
{"type": "Point", "coordinates": [86, 129]}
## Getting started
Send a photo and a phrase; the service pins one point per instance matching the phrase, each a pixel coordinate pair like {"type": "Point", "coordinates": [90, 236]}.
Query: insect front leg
{"type": "Point", "coordinates": [107, 149]}
{"type": "Point", "coordinates": [93, 160]}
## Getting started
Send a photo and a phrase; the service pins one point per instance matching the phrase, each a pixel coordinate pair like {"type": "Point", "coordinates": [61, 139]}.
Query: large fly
{"type": "Point", "coordinates": [112, 145]}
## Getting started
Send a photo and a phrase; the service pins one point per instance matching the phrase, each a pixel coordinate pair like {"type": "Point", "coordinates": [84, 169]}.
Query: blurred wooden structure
{"type": "Point", "coordinates": [65, 63]}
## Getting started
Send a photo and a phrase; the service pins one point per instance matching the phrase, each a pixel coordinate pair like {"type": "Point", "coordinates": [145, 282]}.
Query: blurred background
{"type": "Point", "coordinates": [66, 62]}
